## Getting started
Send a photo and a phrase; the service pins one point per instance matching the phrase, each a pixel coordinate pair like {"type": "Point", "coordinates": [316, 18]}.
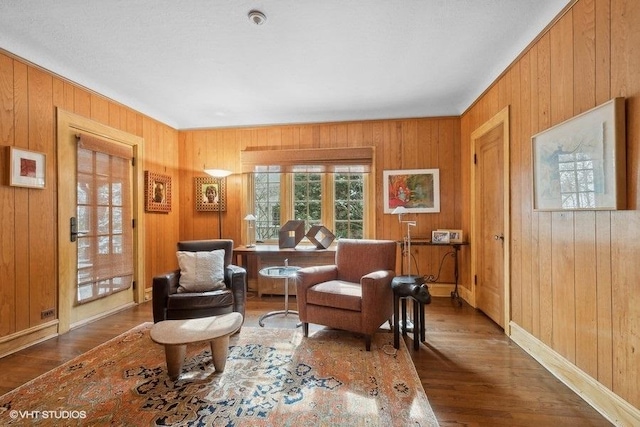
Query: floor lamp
{"type": "Point", "coordinates": [401, 210]}
{"type": "Point", "coordinates": [219, 174]}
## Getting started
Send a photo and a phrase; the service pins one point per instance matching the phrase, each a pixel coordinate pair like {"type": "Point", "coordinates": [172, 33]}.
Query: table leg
{"type": "Point", "coordinates": [175, 358]}
{"type": "Point", "coordinates": [422, 324]}
{"type": "Point", "coordinates": [396, 322]}
{"type": "Point", "coordinates": [286, 296]}
{"type": "Point", "coordinates": [219, 352]}
{"type": "Point", "coordinates": [416, 325]}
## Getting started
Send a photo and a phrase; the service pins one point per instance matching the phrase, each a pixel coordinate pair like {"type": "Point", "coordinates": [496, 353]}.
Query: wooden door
{"type": "Point", "coordinates": [490, 218]}
{"type": "Point", "coordinates": [489, 191]}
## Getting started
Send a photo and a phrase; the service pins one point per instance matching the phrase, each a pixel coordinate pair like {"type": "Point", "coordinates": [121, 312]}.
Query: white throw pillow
{"type": "Point", "coordinates": [201, 271]}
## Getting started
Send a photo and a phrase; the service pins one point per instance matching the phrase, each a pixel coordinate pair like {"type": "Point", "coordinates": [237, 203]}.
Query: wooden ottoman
{"type": "Point", "coordinates": [176, 334]}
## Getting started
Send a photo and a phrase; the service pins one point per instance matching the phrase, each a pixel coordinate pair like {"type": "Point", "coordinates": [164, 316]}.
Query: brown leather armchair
{"type": "Point", "coordinates": [169, 304]}
{"type": "Point", "coordinates": [354, 294]}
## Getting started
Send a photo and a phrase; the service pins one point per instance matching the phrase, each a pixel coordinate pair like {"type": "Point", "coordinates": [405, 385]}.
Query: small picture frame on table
{"type": "Point", "coordinates": [157, 192]}
{"type": "Point", "coordinates": [27, 168]}
{"type": "Point", "coordinates": [440, 236]}
{"type": "Point", "coordinates": [455, 236]}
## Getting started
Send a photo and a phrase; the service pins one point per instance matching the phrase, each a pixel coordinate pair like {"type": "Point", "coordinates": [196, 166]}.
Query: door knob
{"type": "Point", "coordinates": [498, 237]}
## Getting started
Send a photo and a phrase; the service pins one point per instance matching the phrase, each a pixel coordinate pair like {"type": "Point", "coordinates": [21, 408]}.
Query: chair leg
{"type": "Point", "coordinates": [305, 329]}
{"type": "Point", "coordinates": [367, 342]}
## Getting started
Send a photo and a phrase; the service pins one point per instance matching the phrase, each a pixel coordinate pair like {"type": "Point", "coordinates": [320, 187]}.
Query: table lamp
{"type": "Point", "coordinates": [251, 219]}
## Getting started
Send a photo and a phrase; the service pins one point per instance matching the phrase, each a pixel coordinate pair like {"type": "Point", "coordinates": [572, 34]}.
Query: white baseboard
{"type": "Point", "coordinates": [603, 400]}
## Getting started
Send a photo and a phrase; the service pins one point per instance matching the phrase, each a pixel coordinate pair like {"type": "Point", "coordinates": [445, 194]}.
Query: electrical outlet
{"type": "Point", "coordinates": [47, 313]}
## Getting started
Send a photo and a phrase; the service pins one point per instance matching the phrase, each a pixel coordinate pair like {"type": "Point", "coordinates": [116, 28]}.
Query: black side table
{"type": "Point", "coordinates": [409, 287]}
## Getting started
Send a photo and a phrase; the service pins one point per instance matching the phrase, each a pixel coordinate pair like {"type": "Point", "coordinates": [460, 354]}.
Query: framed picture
{"type": "Point", "coordinates": [27, 168]}
{"type": "Point", "coordinates": [580, 164]}
{"type": "Point", "coordinates": [455, 236]}
{"type": "Point", "coordinates": [157, 192]}
{"type": "Point", "coordinates": [418, 190]}
{"type": "Point", "coordinates": [440, 236]}
{"type": "Point", "coordinates": [211, 193]}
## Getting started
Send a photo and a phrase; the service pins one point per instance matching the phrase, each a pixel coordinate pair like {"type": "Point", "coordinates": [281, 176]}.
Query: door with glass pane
{"type": "Point", "coordinates": [100, 256]}
{"type": "Point", "coordinates": [105, 229]}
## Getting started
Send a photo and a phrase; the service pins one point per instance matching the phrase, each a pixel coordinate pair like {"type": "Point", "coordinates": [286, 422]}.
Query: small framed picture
{"type": "Point", "coordinates": [157, 189]}
{"type": "Point", "coordinates": [27, 168]}
{"type": "Point", "coordinates": [440, 236]}
{"type": "Point", "coordinates": [211, 194]}
{"type": "Point", "coordinates": [455, 236]}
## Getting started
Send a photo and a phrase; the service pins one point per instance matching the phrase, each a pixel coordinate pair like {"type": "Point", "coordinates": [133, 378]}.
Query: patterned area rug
{"type": "Point", "coordinates": [273, 377]}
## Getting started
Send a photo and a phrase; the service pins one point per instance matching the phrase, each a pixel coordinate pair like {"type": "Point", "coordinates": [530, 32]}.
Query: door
{"type": "Point", "coordinates": [98, 248]}
{"type": "Point", "coordinates": [490, 218]}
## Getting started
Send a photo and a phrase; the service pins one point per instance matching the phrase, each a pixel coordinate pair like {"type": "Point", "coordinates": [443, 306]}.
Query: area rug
{"type": "Point", "coordinates": [273, 377]}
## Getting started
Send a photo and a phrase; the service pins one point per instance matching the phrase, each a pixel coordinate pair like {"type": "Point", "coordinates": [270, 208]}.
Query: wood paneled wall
{"type": "Point", "coordinates": [574, 275]}
{"type": "Point", "coordinates": [399, 144]}
{"type": "Point", "coordinates": [28, 217]}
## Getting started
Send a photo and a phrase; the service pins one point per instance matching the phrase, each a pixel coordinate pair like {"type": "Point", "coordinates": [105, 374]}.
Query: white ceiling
{"type": "Point", "coordinates": [203, 64]}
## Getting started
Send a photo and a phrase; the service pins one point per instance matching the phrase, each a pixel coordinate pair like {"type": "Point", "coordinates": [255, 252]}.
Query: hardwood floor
{"type": "Point", "coordinates": [472, 373]}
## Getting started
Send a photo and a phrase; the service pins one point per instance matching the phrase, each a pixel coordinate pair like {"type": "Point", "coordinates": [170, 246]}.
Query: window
{"type": "Point", "coordinates": [349, 205]}
{"type": "Point", "coordinates": [577, 186]}
{"type": "Point", "coordinates": [307, 198]}
{"type": "Point", "coordinates": [335, 200]}
{"type": "Point", "coordinates": [323, 186]}
{"type": "Point", "coordinates": [267, 205]}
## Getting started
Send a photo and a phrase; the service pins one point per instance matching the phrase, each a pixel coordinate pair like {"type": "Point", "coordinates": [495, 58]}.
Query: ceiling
{"type": "Point", "coordinates": [204, 64]}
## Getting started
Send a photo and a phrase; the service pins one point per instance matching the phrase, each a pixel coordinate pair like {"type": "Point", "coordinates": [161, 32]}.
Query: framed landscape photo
{"type": "Point", "coordinates": [27, 168]}
{"type": "Point", "coordinates": [157, 192]}
{"type": "Point", "coordinates": [211, 193]}
{"type": "Point", "coordinates": [417, 190]}
{"type": "Point", "coordinates": [580, 164]}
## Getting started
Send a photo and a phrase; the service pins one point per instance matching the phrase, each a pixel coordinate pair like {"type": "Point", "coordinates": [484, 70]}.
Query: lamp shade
{"type": "Point", "coordinates": [217, 173]}
{"type": "Point", "coordinates": [400, 210]}
{"type": "Point", "coordinates": [250, 217]}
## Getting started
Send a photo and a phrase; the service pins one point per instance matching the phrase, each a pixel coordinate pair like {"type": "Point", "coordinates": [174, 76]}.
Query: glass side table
{"type": "Point", "coordinates": [282, 272]}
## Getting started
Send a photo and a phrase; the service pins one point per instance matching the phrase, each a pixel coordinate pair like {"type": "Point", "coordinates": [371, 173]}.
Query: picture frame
{"type": "Point", "coordinates": [417, 190]}
{"type": "Point", "coordinates": [440, 237]}
{"type": "Point", "coordinates": [157, 192]}
{"type": "Point", "coordinates": [580, 164]}
{"type": "Point", "coordinates": [455, 236]}
{"type": "Point", "coordinates": [211, 194]}
{"type": "Point", "coordinates": [27, 168]}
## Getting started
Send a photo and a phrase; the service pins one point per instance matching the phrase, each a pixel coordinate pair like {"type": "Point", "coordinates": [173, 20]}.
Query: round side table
{"type": "Point", "coordinates": [280, 272]}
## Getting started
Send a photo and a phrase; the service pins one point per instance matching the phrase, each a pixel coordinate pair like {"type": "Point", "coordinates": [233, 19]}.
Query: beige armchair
{"type": "Point", "coordinates": [354, 294]}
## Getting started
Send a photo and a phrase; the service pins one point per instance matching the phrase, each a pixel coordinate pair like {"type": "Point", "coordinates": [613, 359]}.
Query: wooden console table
{"type": "Point", "coordinates": [433, 278]}
{"type": "Point", "coordinates": [257, 257]}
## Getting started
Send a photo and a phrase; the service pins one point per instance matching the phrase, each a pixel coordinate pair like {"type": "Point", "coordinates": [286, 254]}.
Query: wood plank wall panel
{"type": "Point", "coordinates": [400, 144]}
{"type": "Point", "coordinates": [7, 201]}
{"type": "Point", "coordinates": [29, 97]}
{"type": "Point", "coordinates": [21, 195]}
{"type": "Point", "coordinates": [42, 216]}
{"type": "Point", "coordinates": [573, 284]}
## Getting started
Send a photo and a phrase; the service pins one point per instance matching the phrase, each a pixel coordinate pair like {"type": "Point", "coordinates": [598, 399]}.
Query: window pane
{"type": "Point", "coordinates": [104, 223]}
{"type": "Point", "coordinates": [308, 198]}
{"type": "Point", "coordinates": [349, 205]}
{"type": "Point", "coordinates": [267, 205]}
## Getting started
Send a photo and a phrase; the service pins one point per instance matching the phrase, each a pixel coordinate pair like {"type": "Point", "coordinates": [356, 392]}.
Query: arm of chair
{"type": "Point", "coordinates": [377, 297]}
{"type": "Point", "coordinates": [309, 276]}
{"type": "Point", "coordinates": [306, 278]}
{"type": "Point", "coordinates": [236, 280]}
{"type": "Point", "coordinates": [162, 285]}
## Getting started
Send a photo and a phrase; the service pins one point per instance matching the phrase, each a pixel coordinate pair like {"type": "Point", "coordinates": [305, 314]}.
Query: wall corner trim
{"type": "Point", "coordinates": [610, 405]}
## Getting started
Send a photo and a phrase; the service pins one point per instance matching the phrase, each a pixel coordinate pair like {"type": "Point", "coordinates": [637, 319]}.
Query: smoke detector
{"type": "Point", "coordinates": [257, 17]}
